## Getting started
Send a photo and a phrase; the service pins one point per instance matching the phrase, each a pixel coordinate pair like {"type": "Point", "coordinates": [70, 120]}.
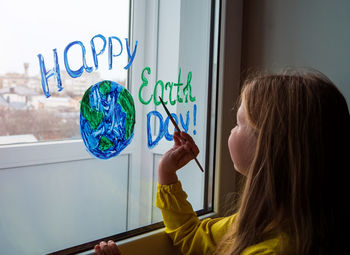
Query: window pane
{"type": "Point", "coordinates": [44, 210]}
{"type": "Point", "coordinates": [38, 27]}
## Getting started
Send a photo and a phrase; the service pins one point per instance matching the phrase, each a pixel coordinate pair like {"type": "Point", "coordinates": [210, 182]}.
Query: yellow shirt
{"type": "Point", "coordinates": [194, 236]}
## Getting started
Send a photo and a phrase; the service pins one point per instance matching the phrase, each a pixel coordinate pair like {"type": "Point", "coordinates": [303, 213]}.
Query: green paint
{"type": "Point", "coordinates": [144, 84]}
{"type": "Point", "coordinates": [127, 104]}
{"type": "Point", "coordinates": [155, 97]}
{"type": "Point", "coordinates": [105, 143]}
{"type": "Point", "coordinates": [188, 89]}
{"type": "Point", "coordinates": [170, 85]}
{"type": "Point", "coordinates": [105, 87]}
{"type": "Point", "coordinates": [178, 85]}
{"type": "Point", "coordinates": [91, 115]}
{"type": "Point", "coordinates": [183, 93]}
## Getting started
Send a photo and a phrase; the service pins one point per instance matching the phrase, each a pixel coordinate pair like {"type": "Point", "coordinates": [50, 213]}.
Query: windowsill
{"type": "Point", "coordinates": [154, 242]}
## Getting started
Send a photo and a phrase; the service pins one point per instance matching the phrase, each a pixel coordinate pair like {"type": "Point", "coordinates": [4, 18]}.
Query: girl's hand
{"type": "Point", "coordinates": [183, 151]}
{"type": "Point", "coordinates": [109, 248]}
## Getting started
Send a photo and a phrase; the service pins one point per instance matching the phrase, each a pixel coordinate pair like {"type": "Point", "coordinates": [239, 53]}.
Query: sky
{"type": "Point", "coordinates": [37, 27]}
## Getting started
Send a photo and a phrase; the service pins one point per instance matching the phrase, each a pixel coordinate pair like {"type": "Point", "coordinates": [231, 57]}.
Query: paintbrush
{"type": "Point", "coordinates": [178, 129]}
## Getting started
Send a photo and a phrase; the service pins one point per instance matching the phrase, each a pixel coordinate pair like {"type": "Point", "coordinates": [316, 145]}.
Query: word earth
{"type": "Point", "coordinates": [55, 71]}
{"type": "Point", "coordinates": [187, 89]}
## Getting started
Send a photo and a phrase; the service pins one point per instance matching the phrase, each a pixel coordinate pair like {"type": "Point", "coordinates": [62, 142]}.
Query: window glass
{"type": "Point", "coordinates": [55, 195]}
{"type": "Point", "coordinates": [36, 27]}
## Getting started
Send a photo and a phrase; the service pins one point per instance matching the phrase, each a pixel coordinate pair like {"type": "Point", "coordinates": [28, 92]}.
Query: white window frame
{"type": "Point", "coordinates": [228, 79]}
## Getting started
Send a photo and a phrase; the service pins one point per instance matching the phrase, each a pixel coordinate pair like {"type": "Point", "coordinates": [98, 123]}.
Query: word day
{"type": "Point", "coordinates": [115, 49]}
{"type": "Point", "coordinates": [163, 130]}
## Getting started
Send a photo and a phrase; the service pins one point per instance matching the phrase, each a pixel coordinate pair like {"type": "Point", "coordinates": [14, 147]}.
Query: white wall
{"type": "Point", "coordinates": [288, 33]}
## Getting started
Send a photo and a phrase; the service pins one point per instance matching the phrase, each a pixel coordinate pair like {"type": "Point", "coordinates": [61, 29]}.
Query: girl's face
{"type": "Point", "coordinates": [242, 142]}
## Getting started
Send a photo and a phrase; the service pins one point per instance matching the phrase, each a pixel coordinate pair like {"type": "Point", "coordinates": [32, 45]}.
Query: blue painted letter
{"type": "Point", "coordinates": [46, 75]}
{"type": "Point", "coordinates": [160, 135]}
{"type": "Point", "coordinates": [94, 54]}
{"type": "Point", "coordinates": [168, 136]}
{"type": "Point", "coordinates": [185, 125]}
{"type": "Point", "coordinates": [79, 72]}
{"type": "Point", "coordinates": [130, 56]}
{"type": "Point", "coordinates": [110, 50]}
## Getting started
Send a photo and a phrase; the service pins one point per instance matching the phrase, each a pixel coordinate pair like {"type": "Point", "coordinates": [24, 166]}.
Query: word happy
{"type": "Point", "coordinates": [114, 43]}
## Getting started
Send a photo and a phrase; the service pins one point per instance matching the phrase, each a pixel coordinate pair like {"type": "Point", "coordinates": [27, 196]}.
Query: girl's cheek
{"type": "Point", "coordinates": [231, 142]}
{"type": "Point", "coordinates": [230, 138]}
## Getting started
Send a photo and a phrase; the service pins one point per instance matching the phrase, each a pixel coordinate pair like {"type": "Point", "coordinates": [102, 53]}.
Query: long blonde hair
{"type": "Point", "coordinates": [302, 127]}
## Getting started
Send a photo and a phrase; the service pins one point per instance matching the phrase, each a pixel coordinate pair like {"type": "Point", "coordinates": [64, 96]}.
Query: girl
{"type": "Point", "coordinates": [291, 144]}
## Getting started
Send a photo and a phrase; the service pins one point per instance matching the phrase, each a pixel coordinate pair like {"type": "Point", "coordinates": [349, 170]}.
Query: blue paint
{"type": "Point", "coordinates": [91, 141]}
{"type": "Point", "coordinates": [131, 57]}
{"type": "Point", "coordinates": [161, 129]}
{"type": "Point", "coordinates": [168, 136]}
{"type": "Point", "coordinates": [111, 127]}
{"type": "Point", "coordinates": [45, 75]}
{"type": "Point", "coordinates": [79, 72]}
{"type": "Point", "coordinates": [95, 98]}
{"type": "Point", "coordinates": [93, 50]}
{"type": "Point", "coordinates": [110, 50]}
{"type": "Point", "coordinates": [194, 118]}
{"type": "Point", "coordinates": [185, 125]}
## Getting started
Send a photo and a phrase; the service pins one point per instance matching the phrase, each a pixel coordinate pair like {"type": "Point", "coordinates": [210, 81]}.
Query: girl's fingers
{"type": "Point", "coordinates": [185, 159]}
{"type": "Point", "coordinates": [177, 139]}
{"type": "Point", "coordinates": [193, 149]}
{"type": "Point", "coordinates": [187, 137]}
{"type": "Point", "coordinates": [185, 148]}
{"type": "Point", "coordinates": [188, 148]}
{"type": "Point", "coordinates": [113, 248]}
{"type": "Point", "coordinates": [179, 153]}
{"type": "Point", "coordinates": [98, 250]}
{"type": "Point", "coordinates": [189, 142]}
{"type": "Point", "coordinates": [182, 155]}
{"type": "Point", "coordinates": [107, 249]}
{"type": "Point", "coordinates": [104, 248]}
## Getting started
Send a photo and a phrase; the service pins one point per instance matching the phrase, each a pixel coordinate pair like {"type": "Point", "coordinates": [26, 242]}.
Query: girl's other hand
{"type": "Point", "coordinates": [183, 151]}
{"type": "Point", "coordinates": [109, 248]}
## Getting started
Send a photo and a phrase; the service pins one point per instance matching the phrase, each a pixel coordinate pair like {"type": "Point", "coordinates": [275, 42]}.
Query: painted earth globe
{"type": "Point", "coordinates": [107, 119]}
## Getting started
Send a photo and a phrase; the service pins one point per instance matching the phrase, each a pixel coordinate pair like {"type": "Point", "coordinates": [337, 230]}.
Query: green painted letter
{"type": "Point", "coordinates": [144, 84]}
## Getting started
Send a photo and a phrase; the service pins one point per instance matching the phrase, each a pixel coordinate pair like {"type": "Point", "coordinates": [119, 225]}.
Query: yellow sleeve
{"type": "Point", "coordinates": [268, 247]}
{"type": "Point", "coordinates": [188, 233]}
